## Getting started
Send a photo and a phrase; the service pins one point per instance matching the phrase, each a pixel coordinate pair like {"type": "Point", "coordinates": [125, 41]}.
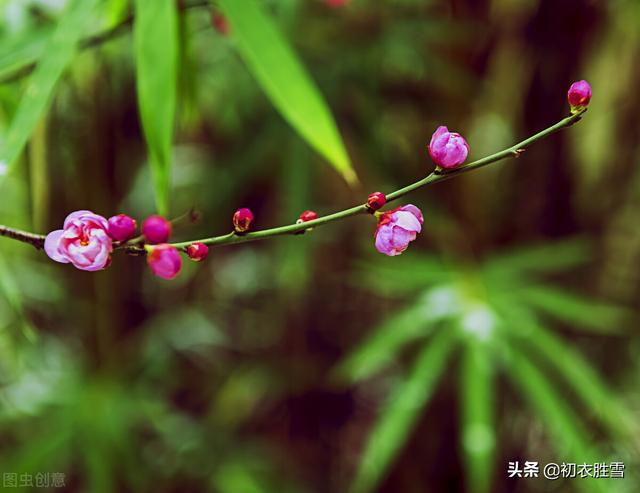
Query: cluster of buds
{"type": "Point", "coordinates": [87, 240]}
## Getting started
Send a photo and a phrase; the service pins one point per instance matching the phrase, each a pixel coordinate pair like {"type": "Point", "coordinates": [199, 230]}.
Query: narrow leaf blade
{"type": "Point", "coordinates": [478, 410]}
{"type": "Point", "coordinates": [401, 412]}
{"type": "Point", "coordinates": [284, 80]}
{"type": "Point", "coordinates": [381, 347]}
{"type": "Point", "coordinates": [156, 47]}
{"type": "Point", "coordinates": [60, 50]}
{"type": "Point", "coordinates": [580, 312]}
{"type": "Point", "coordinates": [571, 436]}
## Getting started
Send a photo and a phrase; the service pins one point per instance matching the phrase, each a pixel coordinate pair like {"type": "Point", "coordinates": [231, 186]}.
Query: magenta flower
{"type": "Point", "coordinates": [376, 200]}
{"type": "Point", "coordinates": [83, 242]}
{"type": "Point", "coordinates": [242, 220]}
{"type": "Point", "coordinates": [307, 216]}
{"type": "Point", "coordinates": [397, 228]}
{"type": "Point", "coordinates": [164, 260]}
{"type": "Point", "coordinates": [156, 229]}
{"type": "Point", "coordinates": [579, 95]}
{"type": "Point", "coordinates": [448, 149]}
{"type": "Point", "coordinates": [197, 251]}
{"type": "Point", "coordinates": [122, 227]}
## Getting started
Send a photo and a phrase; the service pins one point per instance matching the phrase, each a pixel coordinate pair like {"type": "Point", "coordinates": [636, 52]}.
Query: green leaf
{"type": "Point", "coordinates": [402, 410]}
{"type": "Point", "coordinates": [155, 33]}
{"type": "Point", "coordinates": [478, 410]}
{"type": "Point", "coordinates": [404, 274]}
{"type": "Point", "coordinates": [548, 258]}
{"type": "Point", "coordinates": [284, 80]}
{"type": "Point", "coordinates": [582, 313]}
{"type": "Point", "coordinates": [22, 50]}
{"type": "Point", "coordinates": [11, 290]}
{"type": "Point", "coordinates": [381, 347]}
{"type": "Point", "coordinates": [570, 435]}
{"type": "Point", "coordinates": [39, 90]}
{"type": "Point", "coordinates": [583, 378]}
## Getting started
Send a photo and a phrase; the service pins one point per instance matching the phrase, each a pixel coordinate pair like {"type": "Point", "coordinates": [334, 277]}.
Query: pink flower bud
{"type": "Point", "coordinates": [197, 251]}
{"type": "Point", "coordinates": [242, 220]}
{"type": "Point", "coordinates": [308, 216]}
{"type": "Point", "coordinates": [83, 242]}
{"type": "Point", "coordinates": [397, 228]}
{"type": "Point", "coordinates": [164, 260]}
{"type": "Point", "coordinates": [122, 227]}
{"type": "Point", "coordinates": [156, 229]}
{"type": "Point", "coordinates": [448, 149]}
{"type": "Point", "coordinates": [579, 95]}
{"type": "Point", "coordinates": [376, 200]}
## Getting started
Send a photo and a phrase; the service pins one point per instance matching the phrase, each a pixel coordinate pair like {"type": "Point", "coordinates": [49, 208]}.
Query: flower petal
{"type": "Point", "coordinates": [51, 243]}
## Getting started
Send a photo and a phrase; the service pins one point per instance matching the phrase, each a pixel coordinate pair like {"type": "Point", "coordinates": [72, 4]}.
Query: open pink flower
{"type": "Point", "coordinates": [164, 260]}
{"type": "Point", "coordinates": [397, 228]}
{"type": "Point", "coordinates": [83, 242]}
{"type": "Point", "coordinates": [448, 149]}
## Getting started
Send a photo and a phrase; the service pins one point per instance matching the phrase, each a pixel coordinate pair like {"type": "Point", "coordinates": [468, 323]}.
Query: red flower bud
{"type": "Point", "coordinates": [122, 227]}
{"type": "Point", "coordinates": [220, 23]}
{"type": "Point", "coordinates": [242, 220]}
{"type": "Point", "coordinates": [164, 260]}
{"type": "Point", "coordinates": [197, 251]}
{"type": "Point", "coordinates": [376, 200]}
{"type": "Point", "coordinates": [156, 229]}
{"type": "Point", "coordinates": [579, 95]}
{"type": "Point", "coordinates": [308, 216]}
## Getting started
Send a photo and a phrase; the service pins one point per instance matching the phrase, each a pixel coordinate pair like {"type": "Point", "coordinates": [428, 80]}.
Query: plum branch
{"type": "Point", "coordinates": [136, 246]}
{"type": "Point", "coordinates": [436, 176]}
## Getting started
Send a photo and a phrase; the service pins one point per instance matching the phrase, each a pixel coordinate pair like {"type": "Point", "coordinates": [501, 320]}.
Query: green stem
{"type": "Point", "coordinates": [135, 248]}
{"type": "Point", "coordinates": [435, 177]}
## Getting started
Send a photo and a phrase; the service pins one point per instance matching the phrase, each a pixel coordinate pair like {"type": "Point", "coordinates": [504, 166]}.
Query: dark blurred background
{"type": "Point", "coordinates": [506, 332]}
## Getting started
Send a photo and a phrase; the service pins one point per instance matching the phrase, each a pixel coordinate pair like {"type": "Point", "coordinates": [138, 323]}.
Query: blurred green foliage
{"type": "Point", "coordinates": [308, 364]}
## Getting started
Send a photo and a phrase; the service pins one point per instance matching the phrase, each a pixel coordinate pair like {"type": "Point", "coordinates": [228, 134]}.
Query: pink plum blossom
{"type": "Point", "coordinates": [448, 149]}
{"type": "Point", "coordinates": [397, 228]}
{"type": "Point", "coordinates": [579, 95]}
{"type": "Point", "coordinates": [164, 260]}
{"type": "Point", "coordinates": [83, 242]}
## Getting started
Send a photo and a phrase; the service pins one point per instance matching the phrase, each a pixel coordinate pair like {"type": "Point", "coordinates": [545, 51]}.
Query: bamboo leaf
{"type": "Point", "coordinates": [583, 378]}
{"type": "Point", "coordinates": [539, 259]}
{"type": "Point", "coordinates": [22, 51]}
{"type": "Point", "coordinates": [401, 412]}
{"type": "Point", "coordinates": [382, 346]}
{"type": "Point", "coordinates": [581, 312]}
{"type": "Point", "coordinates": [478, 410]}
{"type": "Point", "coordinates": [155, 33]}
{"type": "Point", "coordinates": [284, 80]}
{"type": "Point", "coordinates": [39, 90]}
{"type": "Point", "coordinates": [570, 435]}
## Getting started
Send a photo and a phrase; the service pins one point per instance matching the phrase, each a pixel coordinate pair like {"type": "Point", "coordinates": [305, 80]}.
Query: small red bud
{"type": "Point", "coordinates": [156, 229]}
{"type": "Point", "coordinates": [308, 216]}
{"type": "Point", "coordinates": [220, 23]}
{"type": "Point", "coordinates": [122, 227]}
{"type": "Point", "coordinates": [242, 220]}
{"type": "Point", "coordinates": [376, 200]}
{"type": "Point", "coordinates": [197, 251]}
